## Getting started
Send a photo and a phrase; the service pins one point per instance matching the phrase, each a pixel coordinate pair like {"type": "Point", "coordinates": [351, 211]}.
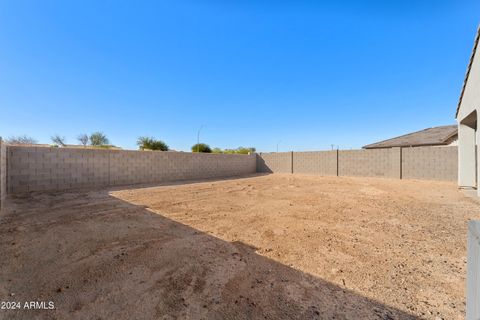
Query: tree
{"type": "Point", "coordinates": [242, 150]}
{"type": "Point", "coordinates": [239, 150]}
{"type": "Point", "coordinates": [83, 139]}
{"type": "Point", "coordinates": [57, 139]}
{"type": "Point", "coordinates": [21, 140]}
{"type": "Point", "coordinates": [98, 139]}
{"type": "Point", "coordinates": [146, 143]}
{"type": "Point", "coordinates": [201, 147]}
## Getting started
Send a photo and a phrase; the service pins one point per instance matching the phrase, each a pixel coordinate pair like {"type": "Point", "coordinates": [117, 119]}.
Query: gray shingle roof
{"type": "Point", "coordinates": [428, 137]}
{"type": "Point", "coordinates": [475, 45]}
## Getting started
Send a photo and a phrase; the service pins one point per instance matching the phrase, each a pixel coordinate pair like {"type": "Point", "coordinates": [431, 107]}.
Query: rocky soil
{"type": "Point", "coordinates": [264, 247]}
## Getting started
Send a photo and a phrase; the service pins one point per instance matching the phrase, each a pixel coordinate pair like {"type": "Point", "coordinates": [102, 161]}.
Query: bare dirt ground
{"type": "Point", "coordinates": [265, 247]}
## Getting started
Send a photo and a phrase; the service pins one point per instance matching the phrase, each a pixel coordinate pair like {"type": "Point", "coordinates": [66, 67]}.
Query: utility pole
{"type": "Point", "coordinates": [279, 141]}
{"type": "Point", "coordinates": [198, 138]}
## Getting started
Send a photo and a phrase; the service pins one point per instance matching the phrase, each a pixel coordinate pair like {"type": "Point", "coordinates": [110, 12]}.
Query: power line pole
{"type": "Point", "coordinates": [198, 138]}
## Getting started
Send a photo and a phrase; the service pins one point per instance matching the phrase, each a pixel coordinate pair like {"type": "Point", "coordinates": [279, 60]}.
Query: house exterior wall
{"type": "Point", "coordinates": [50, 169]}
{"type": "Point", "coordinates": [466, 157]}
{"type": "Point", "coordinates": [453, 143]}
{"type": "Point", "coordinates": [469, 135]}
{"type": "Point", "coordinates": [471, 95]}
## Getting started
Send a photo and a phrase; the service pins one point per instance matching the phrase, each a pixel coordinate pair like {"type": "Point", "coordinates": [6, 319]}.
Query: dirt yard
{"type": "Point", "coordinates": [264, 247]}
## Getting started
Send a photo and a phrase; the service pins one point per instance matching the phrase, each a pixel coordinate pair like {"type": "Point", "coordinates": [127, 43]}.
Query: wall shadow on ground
{"type": "Point", "coordinates": [180, 182]}
{"type": "Point", "coordinates": [262, 166]}
{"type": "Point", "coordinates": [97, 256]}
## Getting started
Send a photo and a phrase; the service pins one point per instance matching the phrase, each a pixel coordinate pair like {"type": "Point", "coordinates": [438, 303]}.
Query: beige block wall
{"type": "Point", "coordinates": [43, 169]}
{"type": "Point", "coordinates": [321, 163]}
{"type": "Point", "coordinates": [40, 169]}
{"type": "Point", "coordinates": [396, 163]}
{"type": "Point", "coordinates": [129, 167]}
{"type": "Point", "coordinates": [278, 162]}
{"type": "Point", "coordinates": [365, 163]}
{"type": "Point", "coordinates": [3, 173]}
{"type": "Point", "coordinates": [24, 169]}
{"type": "Point", "coordinates": [430, 163]}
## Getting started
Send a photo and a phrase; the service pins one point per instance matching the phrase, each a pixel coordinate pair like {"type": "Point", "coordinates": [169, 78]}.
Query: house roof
{"type": "Point", "coordinates": [475, 45]}
{"type": "Point", "coordinates": [427, 137]}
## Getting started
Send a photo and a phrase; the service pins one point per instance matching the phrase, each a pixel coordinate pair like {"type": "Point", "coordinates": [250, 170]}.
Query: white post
{"type": "Point", "coordinates": [473, 271]}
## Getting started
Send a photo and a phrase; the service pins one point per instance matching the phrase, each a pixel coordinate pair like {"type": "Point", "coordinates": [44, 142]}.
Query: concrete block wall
{"type": "Point", "coordinates": [396, 163]}
{"type": "Point", "coordinates": [430, 163]}
{"type": "Point", "coordinates": [3, 173]}
{"type": "Point", "coordinates": [322, 163]}
{"type": "Point", "coordinates": [41, 169]}
{"type": "Point", "coordinates": [426, 163]}
{"type": "Point", "coordinates": [365, 163]}
{"type": "Point", "coordinates": [50, 169]}
{"type": "Point", "coordinates": [130, 167]}
{"type": "Point", "coordinates": [24, 169]}
{"type": "Point", "coordinates": [280, 162]}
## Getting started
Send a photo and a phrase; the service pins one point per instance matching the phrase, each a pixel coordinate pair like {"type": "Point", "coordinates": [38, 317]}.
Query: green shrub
{"type": "Point", "coordinates": [239, 150]}
{"type": "Point", "coordinates": [242, 150]}
{"type": "Point", "coordinates": [146, 143]}
{"type": "Point", "coordinates": [201, 147]}
{"type": "Point", "coordinates": [98, 139]}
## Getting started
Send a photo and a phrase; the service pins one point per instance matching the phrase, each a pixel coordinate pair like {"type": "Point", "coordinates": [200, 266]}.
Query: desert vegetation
{"type": "Point", "coordinates": [239, 150]}
{"type": "Point", "coordinates": [58, 140]}
{"type": "Point", "coordinates": [83, 139]}
{"type": "Point", "coordinates": [98, 139]}
{"type": "Point", "coordinates": [21, 140]}
{"type": "Point", "coordinates": [150, 143]}
{"type": "Point", "coordinates": [201, 147]}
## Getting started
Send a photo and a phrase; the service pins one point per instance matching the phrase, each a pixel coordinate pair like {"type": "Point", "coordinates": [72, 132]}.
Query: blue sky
{"type": "Point", "coordinates": [307, 74]}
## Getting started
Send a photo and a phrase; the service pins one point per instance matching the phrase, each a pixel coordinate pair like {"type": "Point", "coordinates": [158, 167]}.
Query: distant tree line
{"type": "Point", "coordinates": [239, 150]}
{"type": "Point", "coordinates": [21, 140]}
{"type": "Point", "coordinates": [202, 147]}
{"type": "Point", "coordinates": [96, 139]}
{"type": "Point", "coordinates": [100, 140]}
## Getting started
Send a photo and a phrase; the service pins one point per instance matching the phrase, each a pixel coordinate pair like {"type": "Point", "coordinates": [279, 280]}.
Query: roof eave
{"type": "Point", "coordinates": [469, 67]}
{"type": "Point", "coordinates": [407, 145]}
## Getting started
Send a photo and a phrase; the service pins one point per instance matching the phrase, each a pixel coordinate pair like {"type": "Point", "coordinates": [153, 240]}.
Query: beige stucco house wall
{"type": "Point", "coordinates": [468, 135]}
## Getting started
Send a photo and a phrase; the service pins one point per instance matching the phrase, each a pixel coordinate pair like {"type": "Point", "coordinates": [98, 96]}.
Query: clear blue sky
{"type": "Point", "coordinates": [254, 72]}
